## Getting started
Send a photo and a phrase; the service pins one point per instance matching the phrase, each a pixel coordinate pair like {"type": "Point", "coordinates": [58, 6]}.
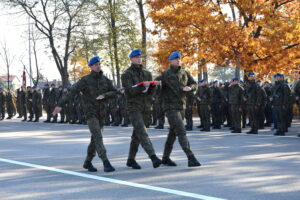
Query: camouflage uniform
{"type": "Point", "coordinates": [204, 96]}
{"type": "Point", "coordinates": [253, 102]}
{"type": "Point", "coordinates": [217, 98]}
{"type": "Point", "coordinates": [137, 106]}
{"type": "Point", "coordinates": [2, 105]}
{"type": "Point", "coordinates": [91, 86]}
{"type": "Point", "coordinates": [174, 103]}
{"type": "Point", "coordinates": [280, 95]}
{"type": "Point", "coordinates": [9, 104]}
{"type": "Point", "coordinates": [190, 98]}
{"type": "Point", "coordinates": [37, 104]}
{"type": "Point", "coordinates": [30, 104]}
{"type": "Point", "coordinates": [45, 102]}
{"type": "Point", "coordinates": [235, 101]}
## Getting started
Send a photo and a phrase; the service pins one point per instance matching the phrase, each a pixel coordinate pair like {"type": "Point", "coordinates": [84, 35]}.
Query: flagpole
{"type": "Point", "coordinates": [29, 46]}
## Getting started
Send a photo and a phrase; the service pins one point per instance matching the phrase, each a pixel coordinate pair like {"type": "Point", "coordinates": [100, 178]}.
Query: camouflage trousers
{"type": "Point", "coordinates": [175, 119]}
{"type": "Point", "coordinates": [96, 144]}
{"type": "Point", "coordinates": [139, 135]}
{"type": "Point", "coordinates": [236, 117]}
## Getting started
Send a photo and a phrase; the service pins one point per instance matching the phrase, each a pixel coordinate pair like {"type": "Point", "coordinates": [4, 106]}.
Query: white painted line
{"type": "Point", "coordinates": [110, 180]}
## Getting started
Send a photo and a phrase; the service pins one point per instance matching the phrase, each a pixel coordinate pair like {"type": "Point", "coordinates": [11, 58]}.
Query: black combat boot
{"type": "Point", "coordinates": [107, 166]}
{"type": "Point", "coordinates": [124, 125]}
{"type": "Point", "coordinates": [132, 163]}
{"type": "Point", "coordinates": [167, 161]}
{"type": "Point", "coordinates": [193, 162]}
{"type": "Point", "coordinates": [156, 162]}
{"type": "Point", "coordinates": [279, 133]}
{"type": "Point", "coordinates": [237, 131]}
{"type": "Point", "coordinates": [89, 166]}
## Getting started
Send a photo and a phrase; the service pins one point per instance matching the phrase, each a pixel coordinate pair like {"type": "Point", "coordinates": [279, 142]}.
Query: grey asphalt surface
{"type": "Point", "coordinates": [234, 166]}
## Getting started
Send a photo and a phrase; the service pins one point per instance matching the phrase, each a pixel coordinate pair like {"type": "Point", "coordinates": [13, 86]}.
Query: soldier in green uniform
{"type": "Point", "coordinates": [96, 89]}
{"type": "Point", "coordinates": [280, 100]}
{"type": "Point", "coordinates": [45, 100]}
{"type": "Point", "coordinates": [19, 106]}
{"type": "Point", "coordinates": [295, 87]}
{"type": "Point", "coordinates": [204, 96]}
{"type": "Point", "coordinates": [137, 96]}
{"type": "Point", "coordinates": [235, 100]}
{"type": "Point", "coordinates": [190, 98]}
{"type": "Point", "coordinates": [37, 103]}
{"type": "Point", "coordinates": [176, 83]}
{"type": "Point", "coordinates": [2, 104]}
{"type": "Point", "coordinates": [217, 98]}
{"type": "Point", "coordinates": [9, 104]}
{"type": "Point", "coordinates": [253, 101]}
{"type": "Point", "coordinates": [29, 103]}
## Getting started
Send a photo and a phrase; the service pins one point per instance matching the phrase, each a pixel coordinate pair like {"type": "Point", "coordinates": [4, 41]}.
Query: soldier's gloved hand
{"type": "Point", "coordinates": [187, 89]}
{"type": "Point", "coordinates": [100, 97]}
{"type": "Point", "coordinates": [56, 110]}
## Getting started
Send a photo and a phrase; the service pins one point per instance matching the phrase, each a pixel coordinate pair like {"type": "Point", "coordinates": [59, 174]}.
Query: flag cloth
{"type": "Point", "coordinates": [142, 83]}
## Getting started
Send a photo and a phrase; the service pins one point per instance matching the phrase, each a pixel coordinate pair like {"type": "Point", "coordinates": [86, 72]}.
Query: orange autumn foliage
{"type": "Point", "coordinates": [264, 36]}
{"type": "Point", "coordinates": [80, 68]}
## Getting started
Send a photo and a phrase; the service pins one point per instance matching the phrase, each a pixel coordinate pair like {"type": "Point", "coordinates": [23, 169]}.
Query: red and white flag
{"type": "Point", "coordinates": [24, 78]}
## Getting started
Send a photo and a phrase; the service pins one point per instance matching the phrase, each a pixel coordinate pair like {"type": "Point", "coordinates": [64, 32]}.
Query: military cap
{"type": "Point", "coordinates": [215, 81]}
{"type": "Point", "coordinates": [174, 55]}
{"type": "Point", "coordinates": [94, 60]}
{"type": "Point", "coordinates": [28, 87]}
{"type": "Point", "coordinates": [235, 79]}
{"type": "Point", "coordinates": [241, 81]}
{"type": "Point", "coordinates": [259, 81]}
{"type": "Point", "coordinates": [204, 80]}
{"type": "Point", "coordinates": [251, 74]}
{"type": "Point", "coordinates": [200, 81]}
{"type": "Point", "coordinates": [46, 85]}
{"type": "Point", "coordinates": [60, 86]}
{"type": "Point", "coordinates": [52, 84]}
{"type": "Point", "coordinates": [134, 53]}
{"type": "Point", "coordinates": [278, 74]}
{"type": "Point", "coordinates": [33, 87]}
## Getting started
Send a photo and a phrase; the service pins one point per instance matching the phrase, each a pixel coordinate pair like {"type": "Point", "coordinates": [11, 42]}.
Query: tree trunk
{"type": "Point", "coordinates": [238, 69]}
{"type": "Point", "coordinates": [144, 30]}
{"type": "Point", "coordinates": [200, 71]}
{"type": "Point", "coordinates": [114, 38]}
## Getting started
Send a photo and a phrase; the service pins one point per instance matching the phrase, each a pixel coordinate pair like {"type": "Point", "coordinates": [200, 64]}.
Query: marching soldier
{"type": "Point", "coordinates": [19, 105]}
{"type": "Point", "coordinates": [136, 82]}
{"type": "Point", "coordinates": [96, 89]}
{"type": "Point", "coordinates": [204, 96]}
{"type": "Point", "coordinates": [235, 100]}
{"type": "Point", "coordinates": [176, 82]}
{"type": "Point", "coordinates": [2, 104]}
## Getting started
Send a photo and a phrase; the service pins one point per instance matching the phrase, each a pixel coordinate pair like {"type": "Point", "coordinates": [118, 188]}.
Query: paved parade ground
{"type": "Point", "coordinates": [44, 161]}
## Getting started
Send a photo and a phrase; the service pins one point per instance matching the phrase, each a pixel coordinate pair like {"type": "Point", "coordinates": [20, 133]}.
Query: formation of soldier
{"type": "Point", "coordinates": [143, 102]}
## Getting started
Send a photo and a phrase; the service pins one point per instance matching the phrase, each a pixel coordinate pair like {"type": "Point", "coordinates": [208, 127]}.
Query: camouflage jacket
{"type": "Point", "coordinates": [173, 82]}
{"type": "Point", "coordinates": [280, 94]}
{"type": "Point", "coordinates": [253, 94]}
{"type": "Point", "coordinates": [235, 95]}
{"type": "Point", "coordinates": [204, 95]}
{"type": "Point", "coordinates": [91, 86]}
{"type": "Point", "coordinates": [136, 99]}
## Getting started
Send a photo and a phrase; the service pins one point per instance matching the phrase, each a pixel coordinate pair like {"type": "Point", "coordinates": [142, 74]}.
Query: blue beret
{"type": "Point", "coordinates": [266, 82]}
{"type": "Point", "coordinates": [235, 79]}
{"type": "Point", "coordinates": [33, 87]}
{"type": "Point", "coordinates": [46, 84]}
{"type": "Point", "coordinates": [241, 81]}
{"type": "Point", "coordinates": [174, 55]}
{"type": "Point", "coordinates": [136, 52]}
{"type": "Point", "coordinates": [60, 86]}
{"type": "Point", "coordinates": [204, 80]}
{"type": "Point", "coordinates": [28, 87]}
{"type": "Point", "coordinates": [258, 81]}
{"type": "Point", "coordinates": [52, 84]}
{"type": "Point", "coordinates": [226, 83]}
{"type": "Point", "coordinates": [1, 88]}
{"type": "Point", "coordinates": [278, 74]}
{"type": "Point", "coordinates": [94, 60]}
{"type": "Point", "coordinates": [251, 74]}
{"type": "Point", "coordinates": [200, 81]}
{"type": "Point", "coordinates": [215, 81]}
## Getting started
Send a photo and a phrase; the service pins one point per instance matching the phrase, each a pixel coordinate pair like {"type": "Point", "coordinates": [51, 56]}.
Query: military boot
{"type": "Point", "coordinates": [107, 166]}
{"type": "Point", "coordinates": [167, 161]}
{"type": "Point", "coordinates": [132, 163]}
{"type": "Point", "coordinates": [159, 127]}
{"type": "Point", "coordinates": [156, 162]}
{"type": "Point", "coordinates": [89, 166]}
{"type": "Point", "coordinates": [193, 162]}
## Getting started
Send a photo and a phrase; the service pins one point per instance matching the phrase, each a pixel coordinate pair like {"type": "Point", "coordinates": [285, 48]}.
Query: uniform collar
{"type": "Point", "coordinates": [136, 66]}
{"type": "Point", "coordinates": [175, 69]}
{"type": "Point", "coordinates": [96, 74]}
